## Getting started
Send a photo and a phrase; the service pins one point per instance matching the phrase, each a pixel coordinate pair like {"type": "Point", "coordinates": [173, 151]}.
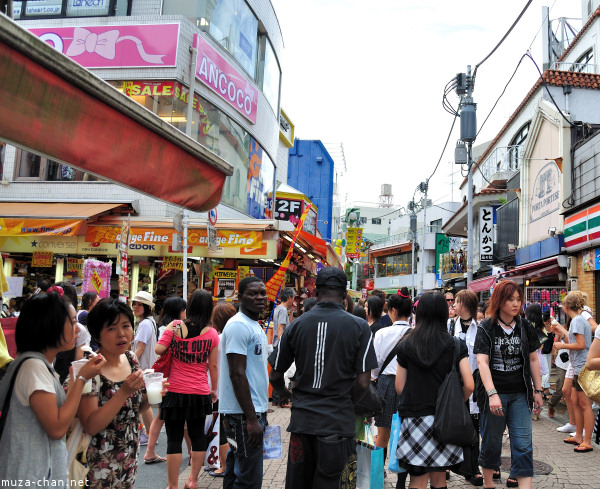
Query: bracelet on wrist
{"type": "Point", "coordinates": [491, 392]}
{"type": "Point", "coordinates": [82, 378]}
{"type": "Point", "coordinates": [538, 391]}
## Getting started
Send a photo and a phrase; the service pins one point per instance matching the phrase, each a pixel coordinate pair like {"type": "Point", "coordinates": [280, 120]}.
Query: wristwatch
{"type": "Point", "coordinates": [491, 392]}
{"type": "Point", "coordinates": [537, 391]}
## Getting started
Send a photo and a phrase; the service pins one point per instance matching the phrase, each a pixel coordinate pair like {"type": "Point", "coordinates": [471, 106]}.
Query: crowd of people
{"type": "Point", "coordinates": [322, 363]}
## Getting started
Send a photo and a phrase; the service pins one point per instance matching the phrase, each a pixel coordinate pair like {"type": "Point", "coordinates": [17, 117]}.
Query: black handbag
{"type": "Point", "coordinates": [452, 424]}
{"type": "Point", "coordinates": [372, 403]}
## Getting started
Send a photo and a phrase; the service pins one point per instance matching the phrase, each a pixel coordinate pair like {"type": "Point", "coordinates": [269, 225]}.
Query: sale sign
{"type": "Point", "coordinates": [173, 263]}
{"type": "Point", "coordinates": [96, 277]}
{"type": "Point", "coordinates": [42, 259]}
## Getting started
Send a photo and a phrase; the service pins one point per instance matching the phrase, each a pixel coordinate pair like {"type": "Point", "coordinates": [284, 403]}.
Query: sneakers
{"type": "Point", "coordinates": [143, 439]}
{"type": "Point", "coordinates": [566, 428]}
{"type": "Point", "coordinates": [574, 433]}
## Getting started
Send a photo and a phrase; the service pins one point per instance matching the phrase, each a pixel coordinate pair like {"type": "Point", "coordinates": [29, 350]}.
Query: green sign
{"type": "Point", "coordinates": [442, 245]}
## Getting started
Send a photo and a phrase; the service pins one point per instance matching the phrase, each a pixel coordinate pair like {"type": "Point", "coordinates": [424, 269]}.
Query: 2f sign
{"type": "Point", "coordinates": [486, 234]}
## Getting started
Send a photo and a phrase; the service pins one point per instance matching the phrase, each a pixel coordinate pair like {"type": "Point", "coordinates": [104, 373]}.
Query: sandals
{"type": "Point", "coordinates": [496, 475]}
{"type": "Point", "coordinates": [475, 480]}
{"type": "Point", "coordinates": [571, 441]}
{"type": "Point", "coordinates": [583, 449]}
{"type": "Point", "coordinates": [512, 482]}
{"type": "Point", "coordinates": [155, 460]}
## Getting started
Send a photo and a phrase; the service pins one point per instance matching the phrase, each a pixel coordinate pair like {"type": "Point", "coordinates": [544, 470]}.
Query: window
{"type": "Point", "coordinates": [269, 73]}
{"type": "Point", "coordinates": [582, 65]}
{"type": "Point", "coordinates": [230, 22]}
{"type": "Point", "coordinates": [362, 221]}
{"type": "Point", "coordinates": [515, 150]}
{"type": "Point", "coordinates": [389, 266]}
{"type": "Point", "coordinates": [376, 220]}
{"type": "Point", "coordinates": [30, 166]}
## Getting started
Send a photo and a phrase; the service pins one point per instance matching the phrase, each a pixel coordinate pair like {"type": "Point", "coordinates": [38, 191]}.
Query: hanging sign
{"type": "Point", "coordinates": [42, 259]}
{"type": "Point", "coordinates": [211, 233]}
{"type": "Point", "coordinates": [173, 263]}
{"type": "Point", "coordinates": [486, 233]}
{"type": "Point", "coordinates": [75, 265]}
{"type": "Point", "coordinates": [225, 274]}
{"type": "Point", "coordinates": [353, 240]}
{"type": "Point", "coordinates": [96, 277]}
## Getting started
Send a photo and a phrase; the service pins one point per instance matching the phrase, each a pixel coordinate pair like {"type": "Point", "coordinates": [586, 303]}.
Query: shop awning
{"type": "Point", "coordinates": [392, 250]}
{"type": "Point", "coordinates": [539, 268]}
{"type": "Point", "coordinates": [317, 244]}
{"type": "Point", "coordinates": [56, 108]}
{"type": "Point", "coordinates": [49, 219]}
{"type": "Point", "coordinates": [481, 284]}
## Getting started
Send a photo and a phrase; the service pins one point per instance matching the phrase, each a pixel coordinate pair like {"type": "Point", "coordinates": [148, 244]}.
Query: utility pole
{"type": "Point", "coordinates": [413, 232]}
{"type": "Point", "coordinates": [468, 133]}
{"type": "Point", "coordinates": [424, 186]}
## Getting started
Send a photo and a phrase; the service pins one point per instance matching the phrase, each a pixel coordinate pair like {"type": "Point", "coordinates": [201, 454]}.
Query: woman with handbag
{"type": "Point", "coordinates": [506, 348]}
{"type": "Point", "coordinates": [424, 360]}
{"type": "Point", "coordinates": [189, 398]}
{"type": "Point", "coordinates": [384, 343]}
{"type": "Point", "coordinates": [36, 413]}
{"type": "Point", "coordinates": [593, 358]}
{"type": "Point", "coordinates": [578, 344]}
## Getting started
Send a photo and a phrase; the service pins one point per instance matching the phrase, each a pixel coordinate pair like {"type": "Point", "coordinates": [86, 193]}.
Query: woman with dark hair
{"type": "Point", "coordinates": [385, 343]}
{"type": "Point", "coordinates": [360, 312]}
{"type": "Point", "coordinates": [110, 413]}
{"type": "Point", "coordinates": [88, 301]}
{"type": "Point", "coordinates": [189, 398]}
{"type": "Point", "coordinates": [424, 359]}
{"type": "Point", "coordinates": [311, 302]}
{"type": "Point", "coordinates": [374, 312]}
{"type": "Point", "coordinates": [32, 443]}
{"type": "Point", "coordinates": [173, 309]}
{"type": "Point", "coordinates": [533, 313]}
{"type": "Point", "coordinates": [63, 359]}
{"type": "Point", "coordinates": [508, 365]}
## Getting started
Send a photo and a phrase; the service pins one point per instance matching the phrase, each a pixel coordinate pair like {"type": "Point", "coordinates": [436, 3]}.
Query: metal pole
{"type": "Point", "coordinates": [185, 254]}
{"type": "Point", "coordinates": [354, 273]}
{"type": "Point", "coordinates": [412, 271]}
{"type": "Point", "coordinates": [423, 242]}
{"type": "Point", "coordinates": [470, 216]}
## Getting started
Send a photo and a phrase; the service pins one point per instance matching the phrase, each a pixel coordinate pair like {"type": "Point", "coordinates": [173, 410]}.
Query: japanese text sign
{"type": "Point", "coordinates": [353, 241]}
{"type": "Point", "coordinates": [486, 233]}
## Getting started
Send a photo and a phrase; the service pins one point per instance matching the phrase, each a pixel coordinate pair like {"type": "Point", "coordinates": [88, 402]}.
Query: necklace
{"type": "Point", "coordinates": [512, 328]}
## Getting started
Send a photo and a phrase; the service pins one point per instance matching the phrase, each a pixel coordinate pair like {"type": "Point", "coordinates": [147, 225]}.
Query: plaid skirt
{"type": "Point", "coordinates": [386, 386]}
{"type": "Point", "coordinates": [419, 452]}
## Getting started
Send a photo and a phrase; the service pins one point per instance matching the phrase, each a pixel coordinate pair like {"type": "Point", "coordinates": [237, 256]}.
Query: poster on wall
{"type": "Point", "coordinates": [486, 233]}
{"type": "Point", "coordinates": [589, 264]}
{"type": "Point", "coordinates": [259, 183]}
{"type": "Point", "coordinates": [42, 259]}
{"type": "Point", "coordinates": [96, 277]}
{"type": "Point", "coordinates": [75, 266]}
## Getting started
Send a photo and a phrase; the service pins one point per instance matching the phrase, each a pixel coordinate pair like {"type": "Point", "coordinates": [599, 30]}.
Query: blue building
{"type": "Point", "coordinates": [310, 170]}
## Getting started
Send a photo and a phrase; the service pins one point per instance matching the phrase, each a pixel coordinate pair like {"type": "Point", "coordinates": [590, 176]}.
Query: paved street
{"type": "Point", "coordinates": [569, 470]}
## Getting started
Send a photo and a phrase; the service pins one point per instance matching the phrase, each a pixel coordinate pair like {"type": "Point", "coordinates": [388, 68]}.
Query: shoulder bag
{"type": "Point", "coordinates": [372, 403]}
{"type": "Point", "coordinates": [452, 424]}
{"type": "Point", "coordinates": [163, 363]}
{"type": "Point", "coordinates": [589, 380]}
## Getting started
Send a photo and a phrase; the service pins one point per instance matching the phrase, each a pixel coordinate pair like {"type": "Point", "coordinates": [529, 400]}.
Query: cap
{"type": "Point", "coordinates": [144, 298]}
{"type": "Point", "coordinates": [331, 277]}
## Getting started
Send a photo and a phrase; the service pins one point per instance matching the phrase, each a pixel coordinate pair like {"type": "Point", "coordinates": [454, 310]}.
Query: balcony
{"type": "Point", "coordinates": [395, 239]}
{"type": "Point", "coordinates": [502, 163]}
{"type": "Point", "coordinates": [576, 67]}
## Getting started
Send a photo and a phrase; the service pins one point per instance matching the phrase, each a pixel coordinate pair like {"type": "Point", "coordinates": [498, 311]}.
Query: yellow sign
{"type": "Point", "coordinates": [96, 281]}
{"type": "Point", "coordinates": [173, 262]}
{"type": "Point", "coordinates": [75, 265]}
{"type": "Point", "coordinates": [243, 272]}
{"type": "Point", "coordinates": [225, 274]}
{"type": "Point", "coordinates": [353, 242]}
{"type": "Point", "coordinates": [39, 227]}
{"type": "Point", "coordinates": [42, 259]}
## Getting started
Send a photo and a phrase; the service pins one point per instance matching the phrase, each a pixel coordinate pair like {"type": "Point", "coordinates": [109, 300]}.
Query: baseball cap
{"type": "Point", "coordinates": [331, 277]}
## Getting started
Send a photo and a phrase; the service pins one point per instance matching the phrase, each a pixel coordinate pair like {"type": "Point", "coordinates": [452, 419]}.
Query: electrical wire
{"type": "Point", "coordinates": [541, 25]}
{"type": "Point", "coordinates": [501, 94]}
{"type": "Point", "coordinates": [501, 41]}
{"type": "Point", "coordinates": [445, 146]}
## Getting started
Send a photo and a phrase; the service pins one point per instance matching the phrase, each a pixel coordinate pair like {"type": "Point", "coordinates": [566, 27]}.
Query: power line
{"type": "Point", "coordinates": [501, 40]}
{"type": "Point", "coordinates": [445, 146]}
{"type": "Point", "coordinates": [541, 25]}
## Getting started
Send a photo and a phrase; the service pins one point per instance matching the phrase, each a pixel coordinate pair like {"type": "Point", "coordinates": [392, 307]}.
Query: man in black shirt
{"type": "Point", "coordinates": [334, 355]}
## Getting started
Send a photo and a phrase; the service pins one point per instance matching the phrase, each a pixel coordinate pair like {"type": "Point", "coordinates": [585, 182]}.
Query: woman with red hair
{"type": "Point", "coordinates": [509, 368]}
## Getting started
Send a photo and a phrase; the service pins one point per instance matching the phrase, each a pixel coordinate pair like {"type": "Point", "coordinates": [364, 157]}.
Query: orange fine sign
{"type": "Point", "coordinates": [96, 281]}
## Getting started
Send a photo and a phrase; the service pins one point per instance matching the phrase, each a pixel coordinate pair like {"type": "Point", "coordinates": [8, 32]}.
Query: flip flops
{"type": "Point", "coordinates": [155, 460]}
{"type": "Point", "coordinates": [571, 441]}
{"type": "Point", "coordinates": [582, 449]}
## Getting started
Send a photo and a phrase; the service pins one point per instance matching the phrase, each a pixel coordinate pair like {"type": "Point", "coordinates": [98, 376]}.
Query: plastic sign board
{"type": "Point", "coordinates": [353, 241]}
{"type": "Point", "coordinates": [486, 233]}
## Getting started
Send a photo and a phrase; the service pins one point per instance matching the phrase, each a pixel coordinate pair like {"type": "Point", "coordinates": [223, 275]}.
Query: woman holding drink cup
{"type": "Point", "coordinates": [190, 398]}
{"type": "Point", "coordinates": [38, 413]}
{"type": "Point", "coordinates": [110, 413]}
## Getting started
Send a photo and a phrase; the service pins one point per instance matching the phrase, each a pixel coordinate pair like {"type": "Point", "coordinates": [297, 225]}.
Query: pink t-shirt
{"type": "Point", "coordinates": [190, 361]}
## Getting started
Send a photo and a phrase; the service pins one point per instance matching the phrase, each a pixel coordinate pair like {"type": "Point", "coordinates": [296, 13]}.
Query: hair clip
{"type": "Point", "coordinates": [56, 289]}
{"type": "Point", "coordinates": [402, 295]}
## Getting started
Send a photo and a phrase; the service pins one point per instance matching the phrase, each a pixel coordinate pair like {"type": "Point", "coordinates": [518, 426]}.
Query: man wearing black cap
{"type": "Point", "coordinates": [334, 355]}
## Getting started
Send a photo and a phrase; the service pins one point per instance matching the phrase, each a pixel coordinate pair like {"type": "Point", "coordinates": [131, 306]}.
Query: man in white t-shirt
{"type": "Point", "coordinates": [144, 343]}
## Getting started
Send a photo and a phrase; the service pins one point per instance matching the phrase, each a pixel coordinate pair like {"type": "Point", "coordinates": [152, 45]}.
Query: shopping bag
{"type": "Point", "coordinates": [394, 437]}
{"type": "Point", "coordinates": [211, 429]}
{"type": "Point", "coordinates": [369, 466]}
{"type": "Point", "coordinates": [272, 443]}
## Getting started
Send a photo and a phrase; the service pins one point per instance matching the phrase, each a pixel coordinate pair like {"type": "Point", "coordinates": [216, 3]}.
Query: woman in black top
{"type": "Point", "coordinates": [508, 365]}
{"type": "Point", "coordinates": [424, 359]}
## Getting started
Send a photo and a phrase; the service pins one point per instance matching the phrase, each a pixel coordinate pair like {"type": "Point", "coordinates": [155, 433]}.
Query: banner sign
{"type": "Point", "coordinates": [116, 46]}
{"type": "Point", "coordinates": [42, 259]}
{"type": "Point", "coordinates": [39, 227]}
{"type": "Point", "coordinates": [288, 210]}
{"type": "Point", "coordinates": [196, 237]}
{"type": "Point", "coordinates": [54, 8]}
{"type": "Point", "coordinates": [96, 278]}
{"type": "Point", "coordinates": [486, 233]}
{"type": "Point", "coordinates": [225, 274]}
{"type": "Point", "coordinates": [217, 74]}
{"type": "Point", "coordinates": [75, 265]}
{"type": "Point", "coordinates": [276, 281]}
{"type": "Point", "coordinates": [353, 240]}
{"type": "Point", "coordinates": [173, 263]}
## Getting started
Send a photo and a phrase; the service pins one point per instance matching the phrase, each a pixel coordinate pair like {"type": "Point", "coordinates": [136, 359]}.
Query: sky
{"type": "Point", "coordinates": [370, 75]}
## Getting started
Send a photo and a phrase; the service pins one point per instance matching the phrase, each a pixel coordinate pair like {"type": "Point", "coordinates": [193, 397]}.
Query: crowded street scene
{"type": "Point", "coordinates": [244, 246]}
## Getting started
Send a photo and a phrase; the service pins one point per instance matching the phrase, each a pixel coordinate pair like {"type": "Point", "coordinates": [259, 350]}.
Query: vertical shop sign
{"type": "Point", "coordinates": [123, 258]}
{"type": "Point", "coordinates": [442, 245]}
{"type": "Point", "coordinates": [353, 240]}
{"type": "Point", "coordinates": [486, 233]}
